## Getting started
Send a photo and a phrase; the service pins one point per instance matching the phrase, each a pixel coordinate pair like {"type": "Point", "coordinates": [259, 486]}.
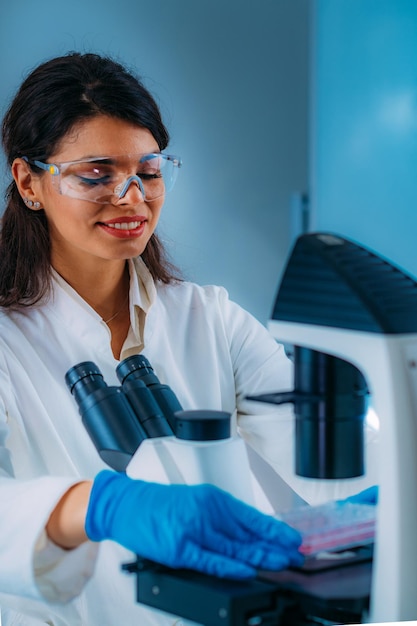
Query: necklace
{"type": "Point", "coordinates": [119, 311]}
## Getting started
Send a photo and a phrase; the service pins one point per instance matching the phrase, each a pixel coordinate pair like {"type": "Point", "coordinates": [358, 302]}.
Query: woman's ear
{"type": "Point", "coordinates": [28, 184]}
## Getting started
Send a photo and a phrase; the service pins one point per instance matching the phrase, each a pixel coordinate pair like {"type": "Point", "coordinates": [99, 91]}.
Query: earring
{"type": "Point", "coordinates": [30, 204]}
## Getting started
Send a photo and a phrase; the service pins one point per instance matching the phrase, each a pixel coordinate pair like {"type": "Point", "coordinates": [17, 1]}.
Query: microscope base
{"type": "Point", "coordinates": [330, 594]}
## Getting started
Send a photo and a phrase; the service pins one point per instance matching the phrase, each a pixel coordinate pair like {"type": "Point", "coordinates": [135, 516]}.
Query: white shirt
{"type": "Point", "coordinates": [212, 354]}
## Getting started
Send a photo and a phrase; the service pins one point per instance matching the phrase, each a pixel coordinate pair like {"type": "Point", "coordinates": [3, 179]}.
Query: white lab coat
{"type": "Point", "coordinates": [210, 351]}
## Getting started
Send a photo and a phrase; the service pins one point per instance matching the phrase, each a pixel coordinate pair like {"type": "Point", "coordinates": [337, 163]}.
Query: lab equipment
{"type": "Point", "coordinates": [330, 402]}
{"type": "Point", "coordinates": [332, 527]}
{"type": "Point", "coordinates": [137, 367]}
{"type": "Point", "coordinates": [106, 414]}
{"type": "Point", "coordinates": [202, 451]}
{"type": "Point", "coordinates": [133, 426]}
{"type": "Point", "coordinates": [343, 300]}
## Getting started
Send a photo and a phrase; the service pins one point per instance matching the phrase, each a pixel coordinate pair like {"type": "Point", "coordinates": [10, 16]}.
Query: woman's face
{"type": "Point", "coordinates": [91, 232]}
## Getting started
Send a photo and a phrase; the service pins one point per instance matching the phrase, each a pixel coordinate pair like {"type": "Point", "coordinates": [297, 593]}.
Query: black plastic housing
{"type": "Point", "coordinates": [138, 367]}
{"type": "Point", "coordinates": [202, 425]}
{"type": "Point", "coordinates": [332, 281]}
{"type": "Point", "coordinates": [106, 415]}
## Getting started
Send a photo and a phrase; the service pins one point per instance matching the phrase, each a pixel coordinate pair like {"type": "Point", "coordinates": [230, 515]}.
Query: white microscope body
{"type": "Point", "coordinates": [388, 361]}
{"type": "Point", "coordinates": [172, 460]}
{"type": "Point", "coordinates": [389, 364]}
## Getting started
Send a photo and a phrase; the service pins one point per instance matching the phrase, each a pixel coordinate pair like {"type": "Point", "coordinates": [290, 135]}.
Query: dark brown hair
{"type": "Point", "coordinates": [57, 95]}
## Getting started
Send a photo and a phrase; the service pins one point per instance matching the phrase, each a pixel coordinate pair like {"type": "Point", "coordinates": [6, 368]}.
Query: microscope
{"type": "Point", "coordinates": [351, 318]}
{"type": "Point", "coordinates": [349, 308]}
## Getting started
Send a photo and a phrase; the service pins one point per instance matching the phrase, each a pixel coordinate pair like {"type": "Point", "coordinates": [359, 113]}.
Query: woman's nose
{"type": "Point", "coordinates": [133, 185]}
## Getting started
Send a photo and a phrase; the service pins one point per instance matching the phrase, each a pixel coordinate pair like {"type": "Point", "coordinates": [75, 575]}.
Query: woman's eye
{"type": "Point", "coordinates": [92, 182]}
{"type": "Point", "coordinates": [149, 176]}
{"type": "Point", "coordinates": [89, 175]}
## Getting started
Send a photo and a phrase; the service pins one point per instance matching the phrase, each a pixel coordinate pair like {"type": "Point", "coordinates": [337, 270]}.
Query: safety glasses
{"type": "Point", "coordinates": [107, 179]}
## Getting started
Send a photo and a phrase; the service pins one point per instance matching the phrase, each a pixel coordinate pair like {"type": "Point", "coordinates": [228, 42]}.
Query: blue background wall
{"type": "Point", "coordinates": [232, 81]}
{"type": "Point", "coordinates": [364, 124]}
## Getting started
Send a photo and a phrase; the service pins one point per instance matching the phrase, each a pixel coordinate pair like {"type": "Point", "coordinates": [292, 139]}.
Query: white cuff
{"type": "Point", "coordinates": [60, 575]}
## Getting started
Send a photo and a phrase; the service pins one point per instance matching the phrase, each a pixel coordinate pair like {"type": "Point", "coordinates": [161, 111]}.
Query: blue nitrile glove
{"type": "Point", "coordinates": [367, 496]}
{"type": "Point", "coordinates": [196, 527]}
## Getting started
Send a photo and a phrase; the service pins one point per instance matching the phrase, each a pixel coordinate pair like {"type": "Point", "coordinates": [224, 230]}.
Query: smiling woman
{"type": "Point", "coordinates": [84, 277]}
{"type": "Point", "coordinates": [79, 82]}
{"type": "Point", "coordinates": [83, 199]}
{"type": "Point", "coordinates": [94, 227]}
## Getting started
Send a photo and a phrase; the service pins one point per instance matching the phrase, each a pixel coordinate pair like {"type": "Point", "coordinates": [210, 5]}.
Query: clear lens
{"type": "Point", "coordinates": [103, 179]}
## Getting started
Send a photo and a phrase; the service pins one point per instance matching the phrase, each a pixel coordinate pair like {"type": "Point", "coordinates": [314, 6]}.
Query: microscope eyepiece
{"type": "Point", "coordinates": [137, 367]}
{"type": "Point", "coordinates": [83, 379]}
{"type": "Point", "coordinates": [139, 384]}
{"type": "Point", "coordinates": [106, 414]}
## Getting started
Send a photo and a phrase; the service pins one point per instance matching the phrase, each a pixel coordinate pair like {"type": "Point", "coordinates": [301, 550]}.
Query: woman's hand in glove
{"type": "Point", "coordinates": [196, 527]}
{"type": "Point", "coordinates": [367, 496]}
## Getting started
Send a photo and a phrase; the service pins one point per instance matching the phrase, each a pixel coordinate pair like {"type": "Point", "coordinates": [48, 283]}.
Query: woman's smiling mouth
{"type": "Point", "coordinates": [124, 227]}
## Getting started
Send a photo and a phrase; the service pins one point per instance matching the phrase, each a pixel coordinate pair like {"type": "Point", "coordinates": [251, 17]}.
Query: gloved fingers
{"type": "Point", "coordinates": [216, 564]}
{"type": "Point", "coordinates": [273, 531]}
{"type": "Point", "coordinates": [247, 524]}
{"type": "Point", "coordinates": [233, 518]}
{"type": "Point", "coordinates": [256, 553]}
{"type": "Point", "coordinates": [265, 556]}
{"type": "Point", "coordinates": [367, 496]}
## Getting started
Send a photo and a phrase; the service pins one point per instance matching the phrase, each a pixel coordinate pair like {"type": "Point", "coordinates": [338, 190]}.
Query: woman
{"type": "Point", "coordinates": [83, 276]}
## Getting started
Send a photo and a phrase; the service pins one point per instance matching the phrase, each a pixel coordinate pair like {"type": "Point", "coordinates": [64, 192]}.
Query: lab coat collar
{"type": "Point", "coordinates": [142, 286]}
{"type": "Point", "coordinates": [75, 312]}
